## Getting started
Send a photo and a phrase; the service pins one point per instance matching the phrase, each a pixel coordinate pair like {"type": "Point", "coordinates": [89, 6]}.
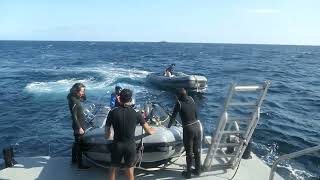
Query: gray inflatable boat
{"type": "Point", "coordinates": [194, 83]}
{"type": "Point", "coordinates": [158, 148]}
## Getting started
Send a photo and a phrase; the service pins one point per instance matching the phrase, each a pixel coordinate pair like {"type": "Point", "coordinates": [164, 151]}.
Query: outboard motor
{"type": "Point", "coordinates": [247, 152]}
{"type": "Point", "coordinates": [8, 157]}
{"type": "Point", "coordinates": [148, 111]}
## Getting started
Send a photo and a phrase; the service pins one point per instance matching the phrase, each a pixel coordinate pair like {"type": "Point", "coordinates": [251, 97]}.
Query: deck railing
{"type": "Point", "coordinates": [290, 156]}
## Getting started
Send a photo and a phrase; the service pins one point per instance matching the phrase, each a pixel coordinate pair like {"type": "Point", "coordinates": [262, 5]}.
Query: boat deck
{"type": "Point", "coordinates": [47, 168]}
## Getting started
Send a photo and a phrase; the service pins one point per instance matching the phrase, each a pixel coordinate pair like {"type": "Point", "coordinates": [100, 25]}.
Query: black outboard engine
{"type": "Point", "coordinates": [247, 152]}
{"type": "Point", "coordinates": [8, 157]}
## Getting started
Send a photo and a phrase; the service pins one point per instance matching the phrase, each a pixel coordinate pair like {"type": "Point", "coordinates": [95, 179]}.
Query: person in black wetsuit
{"type": "Point", "coordinates": [169, 71]}
{"type": "Point", "coordinates": [76, 95]}
{"type": "Point", "coordinates": [124, 119]}
{"type": "Point", "coordinates": [186, 107]}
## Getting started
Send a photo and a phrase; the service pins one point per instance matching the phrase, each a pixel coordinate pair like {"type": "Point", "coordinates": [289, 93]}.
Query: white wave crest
{"type": "Point", "coordinates": [54, 86]}
{"type": "Point", "coordinates": [110, 75]}
{"type": "Point", "coordinates": [296, 173]}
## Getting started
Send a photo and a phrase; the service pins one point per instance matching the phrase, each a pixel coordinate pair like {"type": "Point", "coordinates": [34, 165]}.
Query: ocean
{"type": "Point", "coordinates": [37, 75]}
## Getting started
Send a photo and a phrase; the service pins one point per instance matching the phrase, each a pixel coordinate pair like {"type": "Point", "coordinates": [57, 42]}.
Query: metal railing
{"type": "Point", "coordinates": [290, 156]}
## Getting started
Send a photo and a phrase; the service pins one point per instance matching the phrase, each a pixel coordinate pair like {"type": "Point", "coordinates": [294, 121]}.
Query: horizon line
{"type": "Point", "coordinates": [163, 41]}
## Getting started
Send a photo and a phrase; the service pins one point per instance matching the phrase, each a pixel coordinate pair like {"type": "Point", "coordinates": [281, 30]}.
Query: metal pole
{"type": "Point", "coordinates": [290, 156]}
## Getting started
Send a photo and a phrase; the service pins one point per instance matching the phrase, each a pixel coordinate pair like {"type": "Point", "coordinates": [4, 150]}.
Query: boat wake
{"type": "Point", "coordinates": [107, 78]}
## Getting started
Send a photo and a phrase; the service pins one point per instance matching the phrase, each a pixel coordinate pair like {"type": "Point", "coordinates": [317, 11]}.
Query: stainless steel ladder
{"type": "Point", "coordinates": [245, 125]}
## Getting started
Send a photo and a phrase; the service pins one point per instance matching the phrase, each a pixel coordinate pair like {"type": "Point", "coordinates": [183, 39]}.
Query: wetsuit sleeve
{"type": "Point", "coordinates": [196, 114]}
{"type": "Point", "coordinates": [176, 109]}
{"type": "Point", "coordinates": [141, 120]}
{"type": "Point", "coordinates": [113, 101]}
{"type": "Point", "coordinates": [75, 112]}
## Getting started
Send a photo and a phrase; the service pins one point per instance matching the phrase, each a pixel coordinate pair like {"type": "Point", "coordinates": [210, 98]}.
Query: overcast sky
{"type": "Point", "coordinates": [212, 21]}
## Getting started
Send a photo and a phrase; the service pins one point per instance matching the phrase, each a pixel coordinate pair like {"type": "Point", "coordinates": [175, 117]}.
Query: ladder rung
{"type": "Point", "coordinates": [224, 155]}
{"type": "Point", "coordinates": [247, 88]}
{"type": "Point", "coordinates": [242, 119]}
{"type": "Point", "coordinates": [233, 132]}
{"type": "Point", "coordinates": [242, 104]}
{"type": "Point", "coordinates": [228, 144]}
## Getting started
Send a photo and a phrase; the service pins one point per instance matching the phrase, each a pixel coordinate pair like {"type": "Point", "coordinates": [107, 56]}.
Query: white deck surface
{"type": "Point", "coordinates": [60, 168]}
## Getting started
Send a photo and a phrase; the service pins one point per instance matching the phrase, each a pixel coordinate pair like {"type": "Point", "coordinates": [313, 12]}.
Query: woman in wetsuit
{"type": "Point", "coordinates": [186, 107]}
{"type": "Point", "coordinates": [75, 97]}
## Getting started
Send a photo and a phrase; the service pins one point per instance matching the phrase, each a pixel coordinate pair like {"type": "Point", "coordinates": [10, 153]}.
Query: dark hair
{"type": "Point", "coordinates": [117, 89]}
{"type": "Point", "coordinates": [173, 64]}
{"type": "Point", "coordinates": [125, 95]}
{"type": "Point", "coordinates": [181, 94]}
{"type": "Point", "coordinates": [76, 89]}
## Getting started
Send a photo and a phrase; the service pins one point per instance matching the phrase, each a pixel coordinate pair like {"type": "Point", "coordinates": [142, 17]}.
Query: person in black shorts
{"type": "Point", "coordinates": [124, 119]}
{"type": "Point", "coordinates": [192, 134]}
